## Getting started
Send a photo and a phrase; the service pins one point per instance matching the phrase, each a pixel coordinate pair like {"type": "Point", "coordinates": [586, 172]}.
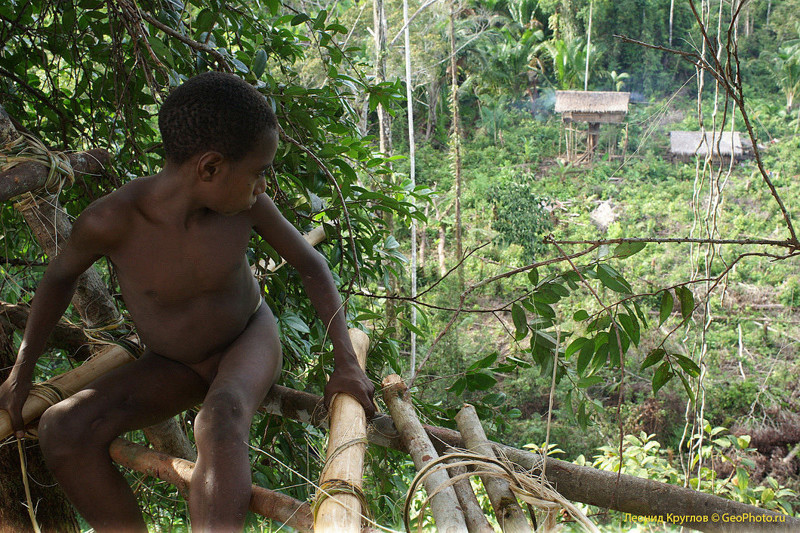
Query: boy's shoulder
{"type": "Point", "coordinates": [108, 218]}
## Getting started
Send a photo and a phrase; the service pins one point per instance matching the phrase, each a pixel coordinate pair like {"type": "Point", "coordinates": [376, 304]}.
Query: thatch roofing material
{"type": "Point", "coordinates": [690, 143]}
{"type": "Point", "coordinates": [591, 102]}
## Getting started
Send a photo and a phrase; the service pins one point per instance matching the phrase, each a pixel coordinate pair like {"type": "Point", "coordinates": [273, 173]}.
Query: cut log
{"type": "Point", "coordinates": [473, 513]}
{"type": "Point", "coordinates": [506, 508]}
{"type": "Point", "coordinates": [347, 442]}
{"type": "Point", "coordinates": [444, 503]}
{"type": "Point", "coordinates": [178, 472]}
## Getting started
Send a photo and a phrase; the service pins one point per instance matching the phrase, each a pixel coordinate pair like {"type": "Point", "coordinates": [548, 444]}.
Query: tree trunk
{"type": "Point", "coordinates": [53, 510]}
{"type": "Point", "coordinates": [456, 142]}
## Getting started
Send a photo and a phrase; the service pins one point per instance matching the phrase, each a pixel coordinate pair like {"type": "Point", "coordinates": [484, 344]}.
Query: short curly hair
{"type": "Point", "coordinates": [213, 111]}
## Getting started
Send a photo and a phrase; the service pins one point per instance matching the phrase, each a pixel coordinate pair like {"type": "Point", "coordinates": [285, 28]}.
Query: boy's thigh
{"type": "Point", "coordinates": [136, 395]}
{"type": "Point", "coordinates": [251, 364]}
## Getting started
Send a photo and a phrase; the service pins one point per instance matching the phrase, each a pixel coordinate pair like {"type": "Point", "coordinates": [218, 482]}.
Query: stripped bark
{"type": "Point", "coordinates": [178, 472]}
{"type": "Point", "coordinates": [473, 513]}
{"type": "Point", "coordinates": [506, 508]}
{"type": "Point", "coordinates": [169, 437]}
{"type": "Point", "coordinates": [347, 442]}
{"type": "Point", "coordinates": [444, 504]}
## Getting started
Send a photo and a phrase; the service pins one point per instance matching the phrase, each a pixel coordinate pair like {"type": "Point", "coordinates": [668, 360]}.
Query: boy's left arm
{"type": "Point", "coordinates": [347, 375]}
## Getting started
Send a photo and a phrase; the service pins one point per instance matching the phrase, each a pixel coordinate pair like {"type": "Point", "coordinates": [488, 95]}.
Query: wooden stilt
{"type": "Point", "coordinates": [340, 508]}
{"type": "Point", "coordinates": [473, 513]}
{"type": "Point", "coordinates": [444, 503]}
{"type": "Point", "coordinates": [506, 508]}
{"type": "Point", "coordinates": [178, 472]}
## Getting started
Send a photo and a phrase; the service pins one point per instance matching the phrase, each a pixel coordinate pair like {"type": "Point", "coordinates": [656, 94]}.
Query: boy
{"type": "Point", "coordinates": [177, 241]}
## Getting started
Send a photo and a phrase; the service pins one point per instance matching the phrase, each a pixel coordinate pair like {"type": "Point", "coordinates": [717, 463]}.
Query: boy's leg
{"type": "Point", "coordinates": [75, 434]}
{"type": "Point", "coordinates": [221, 482]}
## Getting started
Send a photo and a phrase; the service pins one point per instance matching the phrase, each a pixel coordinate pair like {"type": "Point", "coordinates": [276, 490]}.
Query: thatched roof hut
{"type": "Point", "coordinates": [722, 145]}
{"type": "Point", "coordinates": [592, 106]}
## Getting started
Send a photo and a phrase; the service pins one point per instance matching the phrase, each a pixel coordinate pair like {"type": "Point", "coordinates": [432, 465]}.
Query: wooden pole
{"type": "Point", "coordinates": [626, 493]}
{"type": "Point", "coordinates": [506, 508]}
{"type": "Point", "coordinates": [344, 466]}
{"type": "Point", "coordinates": [444, 503]}
{"type": "Point", "coordinates": [268, 503]}
{"type": "Point", "coordinates": [67, 384]}
{"type": "Point", "coordinates": [473, 513]}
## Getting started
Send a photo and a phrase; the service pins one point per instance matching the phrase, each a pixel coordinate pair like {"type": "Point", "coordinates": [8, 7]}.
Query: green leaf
{"type": "Point", "coordinates": [259, 62]}
{"type": "Point", "coordinates": [585, 356]}
{"type": "Point", "coordinates": [653, 357]}
{"type": "Point", "coordinates": [299, 19]}
{"type": "Point", "coordinates": [661, 376]}
{"type": "Point", "coordinates": [480, 380]}
{"type": "Point", "coordinates": [533, 276]}
{"type": "Point", "coordinates": [458, 386]}
{"type": "Point", "coordinates": [631, 327]}
{"type": "Point", "coordinates": [485, 362]}
{"type": "Point", "coordinates": [580, 315]}
{"type": "Point", "coordinates": [688, 366]}
{"type": "Point", "coordinates": [319, 22]}
{"type": "Point", "coordinates": [612, 279]}
{"type": "Point", "coordinates": [520, 322]}
{"type": "Point", "coordinates": [687, 388]}
{"type": "Point", "coordinates": [686, 298]}
{"type": "Point", "coordinates": [574, 346]}
{"type": "Point", "coordinates": [627, 249]}
{"type": "Point", "coordinates": [667, 303]}
{"type": "Point", "coordinates": [589, 381]}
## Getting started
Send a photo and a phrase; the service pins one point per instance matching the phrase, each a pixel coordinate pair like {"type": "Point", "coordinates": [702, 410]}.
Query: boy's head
{"type": "Point", "coordinates": [213, 111]}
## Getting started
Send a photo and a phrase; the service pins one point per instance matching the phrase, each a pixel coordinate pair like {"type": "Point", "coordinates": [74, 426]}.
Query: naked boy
{"type": "Point", "coordinates": [177, 241]}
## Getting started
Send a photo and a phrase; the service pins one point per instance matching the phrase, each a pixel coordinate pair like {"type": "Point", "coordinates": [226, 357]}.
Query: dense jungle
{"type": "Point", "coordinates": [599, 293]}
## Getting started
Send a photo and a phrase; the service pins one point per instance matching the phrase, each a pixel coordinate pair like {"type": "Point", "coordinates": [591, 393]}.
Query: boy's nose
{"type": "Point", "coordinates": [261, 186]}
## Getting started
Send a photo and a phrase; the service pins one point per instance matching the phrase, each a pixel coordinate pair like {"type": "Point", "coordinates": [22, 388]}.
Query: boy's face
{"type": "Point", "coordinates": [242, 181]}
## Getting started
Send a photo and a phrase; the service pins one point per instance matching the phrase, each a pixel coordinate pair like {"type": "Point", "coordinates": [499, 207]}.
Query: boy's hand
{"type": "Point", "coordinates": [353, 381]}
{"type": "Point", "coordinates": [13, 393]}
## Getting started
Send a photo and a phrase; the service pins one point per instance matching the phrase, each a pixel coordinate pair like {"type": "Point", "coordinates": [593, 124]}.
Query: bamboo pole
{"type": "Point", "coordinates": [444, 503]}
{"type": "Point", "coordinates": [506, 508]}
{"type": "Point", "coordinates": [66, 384]}
{"type": "Point", "coordinates": [267, 503]}
{"type": "Point", "coordinates": [347, 442]}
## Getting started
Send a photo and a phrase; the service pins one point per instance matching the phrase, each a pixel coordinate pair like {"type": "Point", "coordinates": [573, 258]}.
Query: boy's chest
{"type": "Point", "coordinates": [171, 264]}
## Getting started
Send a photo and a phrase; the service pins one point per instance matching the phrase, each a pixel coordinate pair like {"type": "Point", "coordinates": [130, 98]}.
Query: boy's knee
{"type": "Point", "coordinates": [224, 416]}
{"type": "Point", "coordinates": [65, 430]}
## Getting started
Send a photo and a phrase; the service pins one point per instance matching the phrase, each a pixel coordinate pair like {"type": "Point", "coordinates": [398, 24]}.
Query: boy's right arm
{"type": "Point", "coordinates": [91, 237]}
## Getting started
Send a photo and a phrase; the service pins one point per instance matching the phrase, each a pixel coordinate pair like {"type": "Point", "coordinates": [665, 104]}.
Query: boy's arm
{"type": "Point", "coordinates": [90, 236]}
{"type": "Point", "coordinates": [347, 376]}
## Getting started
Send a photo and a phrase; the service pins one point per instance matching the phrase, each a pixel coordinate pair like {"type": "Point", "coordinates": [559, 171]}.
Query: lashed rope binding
{"type": "Point", "coordinates": [27, 148]}
{"type": "Point", "coordinates": [528, 486]}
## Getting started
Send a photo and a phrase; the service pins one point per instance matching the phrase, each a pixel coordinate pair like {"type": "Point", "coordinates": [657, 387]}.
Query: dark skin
{"type": "Point", "coordinates": [178, 241]}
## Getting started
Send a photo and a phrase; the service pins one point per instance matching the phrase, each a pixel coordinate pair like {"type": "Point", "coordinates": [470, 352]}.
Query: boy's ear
{"type": "Point", "coordinates": [209, 165]}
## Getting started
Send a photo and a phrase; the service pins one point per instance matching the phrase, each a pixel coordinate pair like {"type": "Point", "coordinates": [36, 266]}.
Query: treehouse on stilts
{"type": "Point", "coordinates": [444, 458]}
{"type": "Point", "coordinates": [582, 114]}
